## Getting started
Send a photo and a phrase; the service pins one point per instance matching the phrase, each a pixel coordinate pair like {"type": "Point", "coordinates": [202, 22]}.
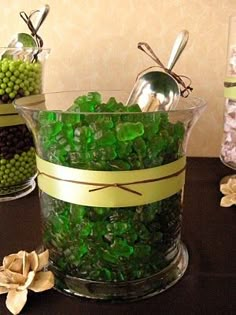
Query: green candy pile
{"type": "Point", "coordinates": [115, 138]}
{"type": "Point", "coordinates": [17, 169]}
{"type": "Point", "coordinates": [19, 78]}
{"type": "Point", "coordinates": [101, 243]}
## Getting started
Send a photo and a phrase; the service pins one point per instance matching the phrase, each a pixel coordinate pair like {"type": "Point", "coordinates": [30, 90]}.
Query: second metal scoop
{"type": "Point", "coordinates": [157, 90]}
{"type": "Point", "coordinates": [22, 41]}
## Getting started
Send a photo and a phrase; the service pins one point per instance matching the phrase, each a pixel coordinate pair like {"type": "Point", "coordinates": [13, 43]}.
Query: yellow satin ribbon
{"type": "Point", "coordinates": [230, 88]}
{"type": "Point", "coordinates": [111, 189]}
{"type": "Point", "coordinates": [9, 116]}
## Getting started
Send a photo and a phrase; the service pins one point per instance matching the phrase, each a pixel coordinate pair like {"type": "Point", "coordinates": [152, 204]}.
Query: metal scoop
{"type": "Point", "coordinates": [158, 90]}
{"type": "Point", "coordinates": [39, 16]}
{"type": "Point", "coordinates": [20, 41]}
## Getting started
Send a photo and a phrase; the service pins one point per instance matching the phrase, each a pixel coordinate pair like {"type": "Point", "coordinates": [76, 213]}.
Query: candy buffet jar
{"type": "Point", "coordinates": [21, 74]}
{"type": "Point", "coordinates": [228, 143]}
{"type": "Point", "coordinates": [111, 189]}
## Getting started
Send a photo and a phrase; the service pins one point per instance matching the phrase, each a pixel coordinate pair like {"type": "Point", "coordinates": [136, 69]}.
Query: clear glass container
{"type": "Point", "coordinates": [21, 74]}
{"type": "Point", "coordinates": [228, 144]}
{"type": "Point", "coordinates": [111, 189]}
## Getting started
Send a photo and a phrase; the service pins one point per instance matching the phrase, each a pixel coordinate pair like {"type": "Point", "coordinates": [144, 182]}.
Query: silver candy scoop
{"type": "Point", "coordinates": [158, 90]}
{"type": "Point", "coordinates": [24, 40]}
{"type": "Point", "coordinates": [40, 16]}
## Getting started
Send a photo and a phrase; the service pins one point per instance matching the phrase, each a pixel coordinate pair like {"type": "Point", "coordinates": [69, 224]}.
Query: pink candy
{"type": "Point", "coordinates": [228, 146]}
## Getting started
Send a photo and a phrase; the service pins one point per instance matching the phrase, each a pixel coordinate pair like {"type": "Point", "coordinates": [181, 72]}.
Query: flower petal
{"type": "Point", "coordinates": [28, 282]}
{"type": "Point", "coordinates": [225, 189]}
{"type": "Point", "coordinates": [10, 286]}
{"type": "Point", "coordinates": [14, 277]}
{"type": "Point", "coordinates": [42, 281]}
{"type": "Point", "coordinates": [5, 282]}
{"type": "Point", "coordinates": [43, 259]}
{"type": "Point", "coordinates": [7, 260]}
{"type": "Point", "coordinates": [16, 265]}
{"type": "Point", "coordinates": [26, 265]}
{"type": "Point", "coordinates": [34, 260]}
{"type": "Point", "coordinates": [227, 201]}
{"type": "Point", "coordinates": [16, 300]}
{"type": "Point", "coordinates": [233, 187]}
{"type": "Point", "coordinates": [3, 290]}
{"type": "Point", "coordinates": [233, 198]}
{"type": "Point", "coordinates": [3, 278]}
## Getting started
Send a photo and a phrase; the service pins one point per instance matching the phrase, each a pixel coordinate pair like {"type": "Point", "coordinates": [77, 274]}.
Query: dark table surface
{"type": "Point", "coordinates": [209, 231]}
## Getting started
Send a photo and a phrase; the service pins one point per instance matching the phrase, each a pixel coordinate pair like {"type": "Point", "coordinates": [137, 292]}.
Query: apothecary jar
{"type": "Point", "coordinates": [21, 74]}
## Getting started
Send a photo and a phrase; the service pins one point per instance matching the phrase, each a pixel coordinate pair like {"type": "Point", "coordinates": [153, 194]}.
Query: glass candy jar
{"type": "Point", "coordinates": [21, 74]}
{"type": "Point", "coordinates": [111, 189]}
{"type": "Point", "coordinates": [228, 145]}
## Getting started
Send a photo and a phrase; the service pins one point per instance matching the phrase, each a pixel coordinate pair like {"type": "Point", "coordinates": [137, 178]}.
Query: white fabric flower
{"type": "Point", "coordinates": [228, 188]}
{"type": "Point", "coordinates": [23, 271]}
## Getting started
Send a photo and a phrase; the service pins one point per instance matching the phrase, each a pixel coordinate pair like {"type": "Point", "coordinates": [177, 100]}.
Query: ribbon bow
{"type": "Point", "coordinates": [186, 88]}
{"type": "Point", "coordinates": [27, 20]}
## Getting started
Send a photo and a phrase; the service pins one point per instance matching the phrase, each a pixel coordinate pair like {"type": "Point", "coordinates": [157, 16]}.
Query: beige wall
{"type": "Point", "coordinates": [94, 43]}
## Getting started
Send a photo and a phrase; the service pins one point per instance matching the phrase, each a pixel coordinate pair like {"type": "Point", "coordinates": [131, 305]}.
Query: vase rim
{"type": "Point", "coordinates": [34, 102]}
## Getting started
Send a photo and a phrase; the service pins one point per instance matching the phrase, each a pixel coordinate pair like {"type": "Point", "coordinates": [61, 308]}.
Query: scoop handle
{"type": "Point", "coordinates": [42, 14]}
{"type": "Point", "coordinates": [178, 47]}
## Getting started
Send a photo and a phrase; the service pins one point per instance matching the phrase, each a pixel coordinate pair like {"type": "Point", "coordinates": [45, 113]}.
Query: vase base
{"type": "Point", "coordinates": [127, 290]}
{"type": "Point", "coordinates": [16, 192]}
{"type": "Point", "coordinates": [230, 164]}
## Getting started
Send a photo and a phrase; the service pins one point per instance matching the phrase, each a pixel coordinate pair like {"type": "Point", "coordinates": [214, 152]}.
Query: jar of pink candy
{"type": "Point", "coordinates": [228, 145]}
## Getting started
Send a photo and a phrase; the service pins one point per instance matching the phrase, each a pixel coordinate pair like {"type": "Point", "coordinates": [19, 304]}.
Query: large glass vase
{"type": "Point", "coordinates": [111, 191]}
